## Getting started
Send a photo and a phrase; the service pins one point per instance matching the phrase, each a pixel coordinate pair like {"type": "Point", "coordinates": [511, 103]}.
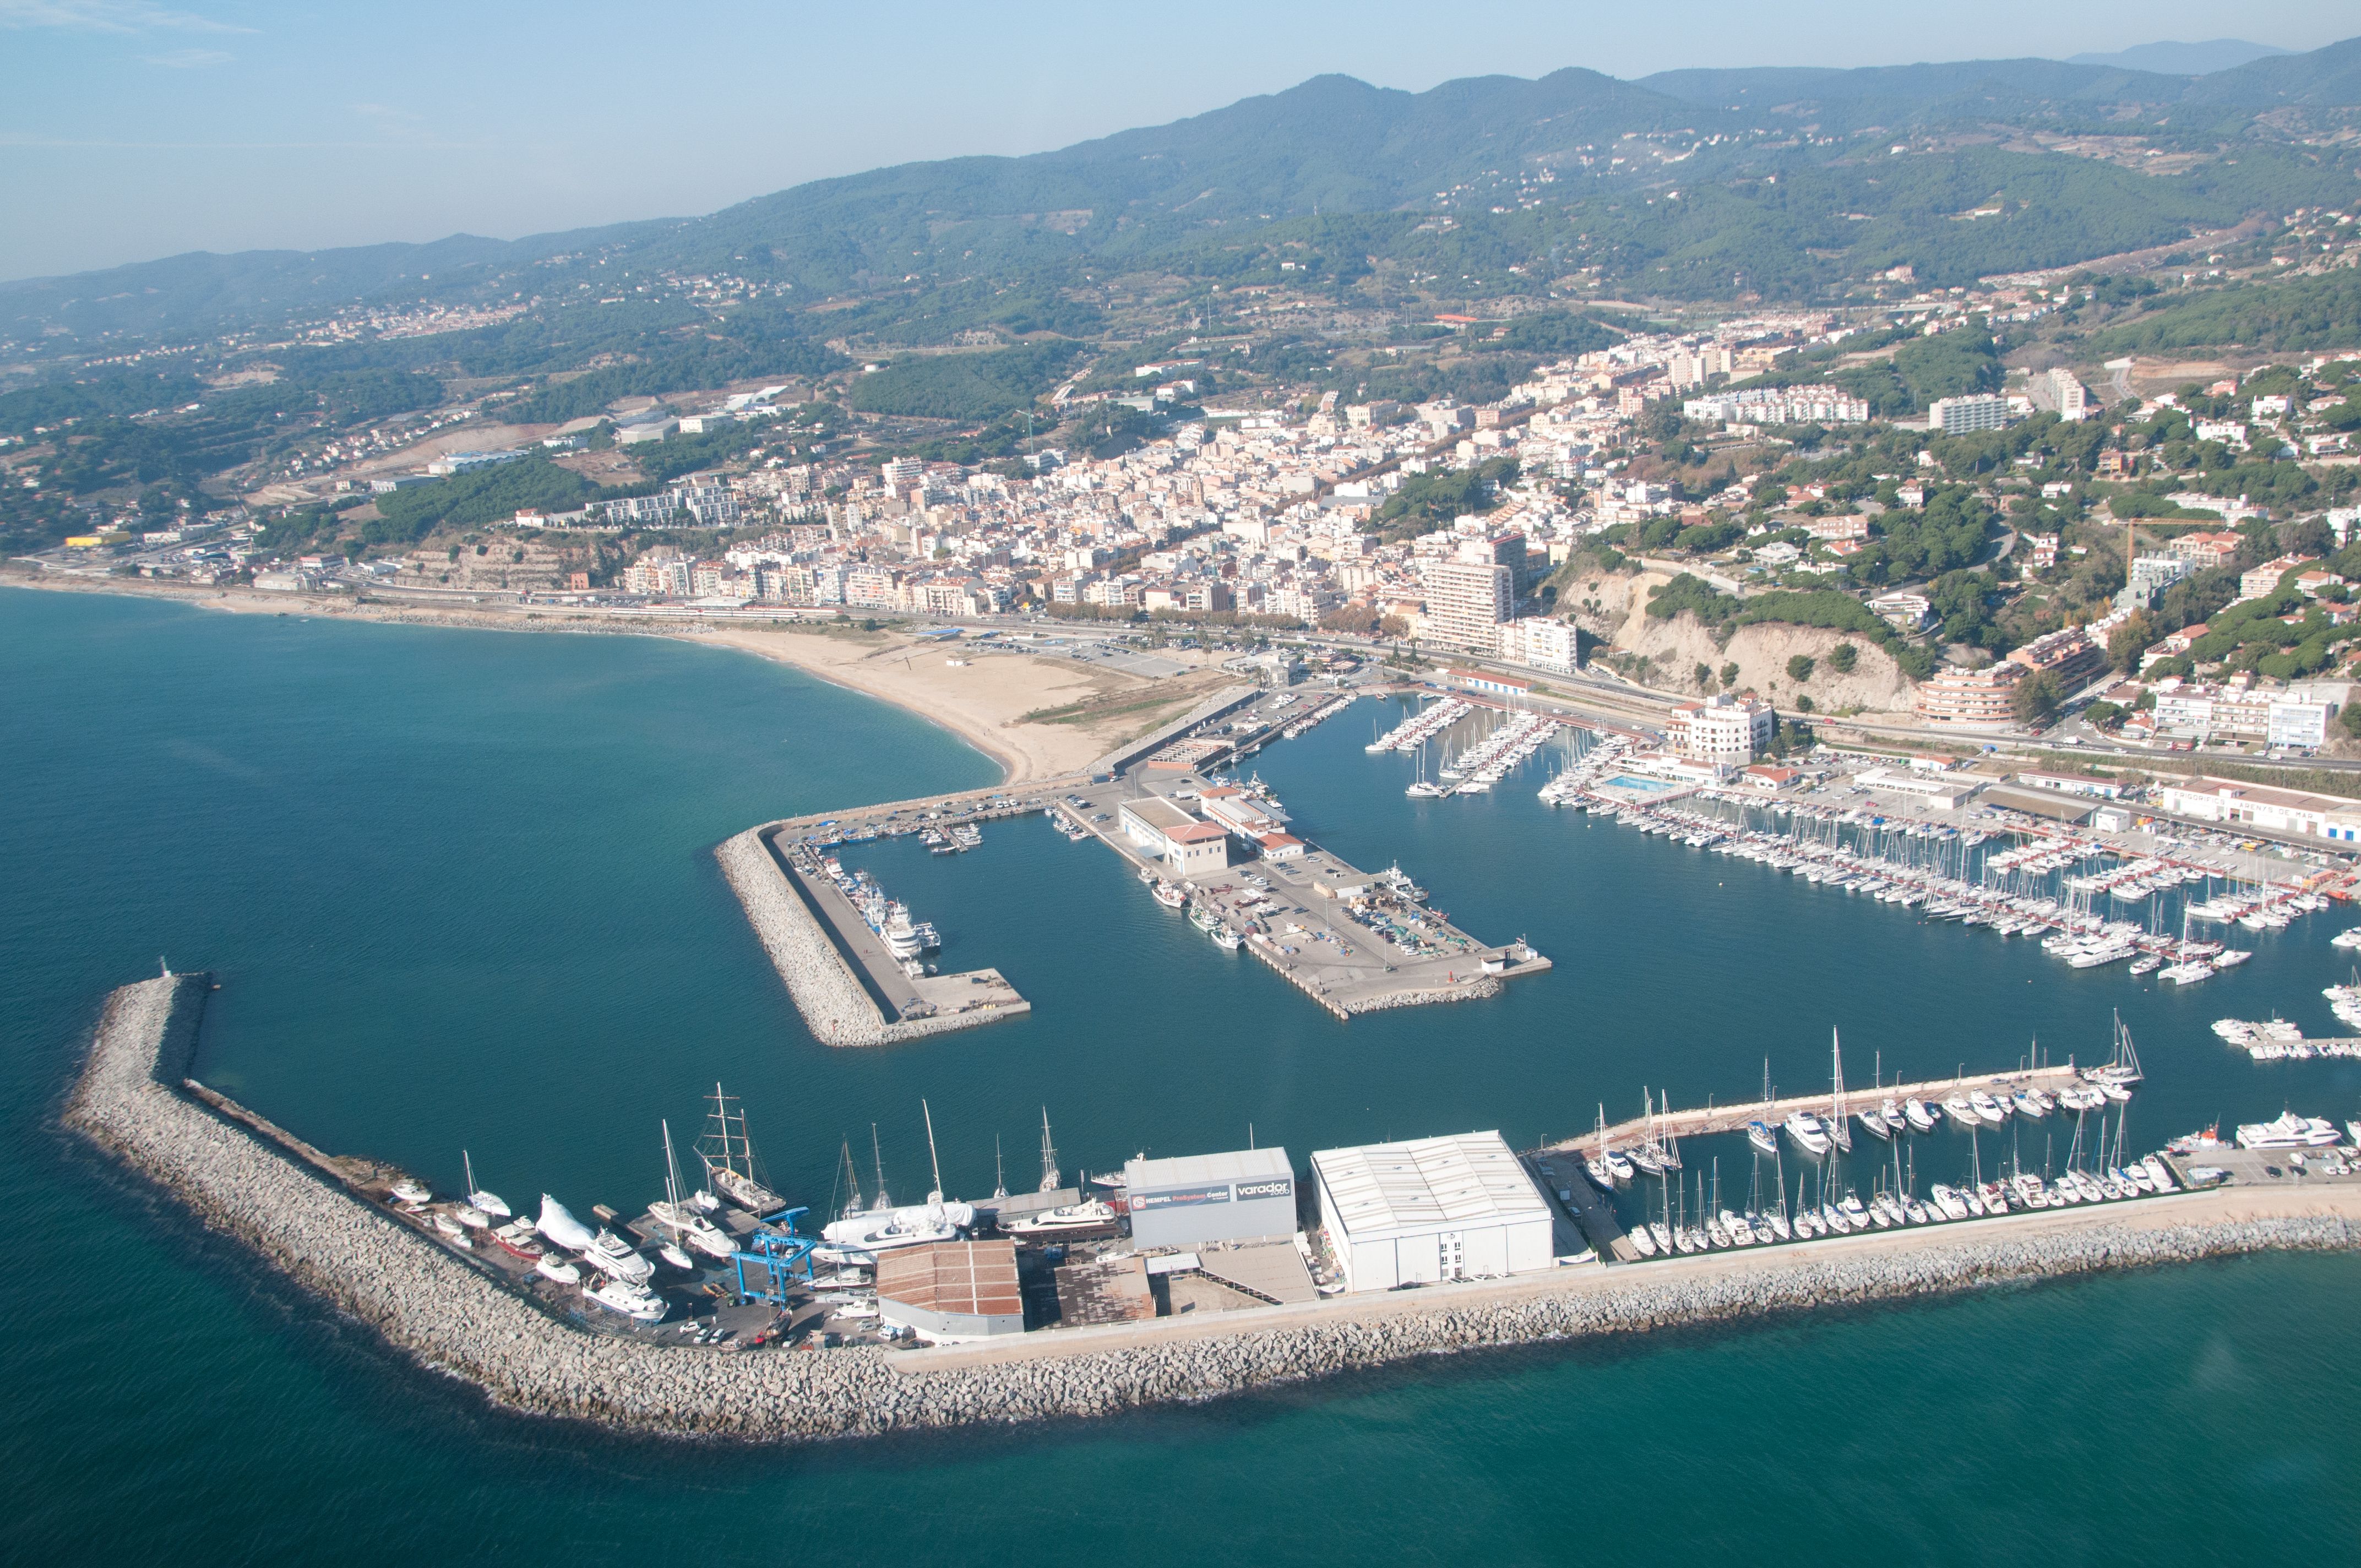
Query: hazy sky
{"type": "Point", "coordinates": [130, 130]}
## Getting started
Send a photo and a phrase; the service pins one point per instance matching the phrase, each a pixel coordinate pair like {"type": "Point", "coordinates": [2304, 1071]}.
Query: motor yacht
{"type": "Point", "coordinates": [628, 1298]}
{"type": "Point", "coordinates": [2288, 1130]}
{"type": "Point", "coordinates": [1808, 1132]}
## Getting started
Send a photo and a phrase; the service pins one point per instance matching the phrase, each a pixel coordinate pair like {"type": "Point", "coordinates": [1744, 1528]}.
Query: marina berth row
{"type": "Point", "coordinates": [447, 1282]}
{"type": "Point", "coordinates": [2062, 889]}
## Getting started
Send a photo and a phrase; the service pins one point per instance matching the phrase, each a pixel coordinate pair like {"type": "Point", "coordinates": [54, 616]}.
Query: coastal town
{"type": "Point", "coordinates": [2161, 570]}
{"type": "Point", "coordinates": [1407, 787]}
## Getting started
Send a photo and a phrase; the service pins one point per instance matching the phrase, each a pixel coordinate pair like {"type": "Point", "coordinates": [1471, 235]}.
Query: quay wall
{"type": "Point", "coordinates": [836, 1006]}
{"type": "Point", "coordinates": [448, 1316]}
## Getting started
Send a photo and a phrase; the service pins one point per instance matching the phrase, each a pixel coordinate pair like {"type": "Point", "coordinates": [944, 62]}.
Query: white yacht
{"type": "Point", "coordinates": [1952, 1205]}
{"type": "Point", "coordinates": [691, 1227]}
{"type": "Point", "coordinates": [552, 1267]}
{"type": "Point", "coordinates": [628, 1298]}
{"type": "Point", "coordinates": [1808, 1132]}
{"type": "Point", "coordinates": [610, 1254]}
{"type": "Point", "coordinates": [1961, 1111]}
{"type": "Point", "coordinates": [1087, 1214]}
{"type": "Point", "coordinates": [1919, 1114]}
{"type": "Point", "coordinates": [1987, 1108]}
{"type": "Point", "coordinates": [2289, 1131]}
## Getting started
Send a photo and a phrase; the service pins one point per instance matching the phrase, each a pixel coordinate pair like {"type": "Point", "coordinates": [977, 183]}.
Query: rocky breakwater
{"type": "Point", "coordinates": [448, 1315]}
{"type": "Point", "coordinates": [836, 1007]}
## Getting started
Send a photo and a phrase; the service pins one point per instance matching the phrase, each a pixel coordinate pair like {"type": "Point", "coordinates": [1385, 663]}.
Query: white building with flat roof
{"type": "Point", "coordinates": [1723, 729]}
{"type": "Point", "coordinates": [1431, 1209]}
{"type": "Point", "coordinates": [1191, 847]}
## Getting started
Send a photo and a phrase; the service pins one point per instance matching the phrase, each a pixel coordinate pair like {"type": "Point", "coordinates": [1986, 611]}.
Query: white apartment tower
{"type": "Point", "coordinates": [1465, 603]}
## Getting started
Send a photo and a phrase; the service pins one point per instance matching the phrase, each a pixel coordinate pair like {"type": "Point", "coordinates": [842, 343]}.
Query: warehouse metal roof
{"type": "Point", "coordinates": [968, 1278]}
{"type": "Point", "coordinates": [1427, 1184]}
{"type": "Point", "coordinates": [1200, 1169]}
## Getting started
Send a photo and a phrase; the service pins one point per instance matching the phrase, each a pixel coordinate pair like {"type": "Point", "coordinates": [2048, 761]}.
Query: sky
{"type": "Point", "coordinates": [132, 130]}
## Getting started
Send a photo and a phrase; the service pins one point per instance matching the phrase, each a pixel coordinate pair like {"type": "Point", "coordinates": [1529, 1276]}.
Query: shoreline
{"type": "Point", "coordinates": [449, 1316]}
{"type": "Point", "coordinates": [987, 716]}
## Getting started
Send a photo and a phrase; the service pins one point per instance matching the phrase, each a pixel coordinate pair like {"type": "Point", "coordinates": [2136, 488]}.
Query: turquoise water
{"type": "Point", "coordinates": [459, 890]}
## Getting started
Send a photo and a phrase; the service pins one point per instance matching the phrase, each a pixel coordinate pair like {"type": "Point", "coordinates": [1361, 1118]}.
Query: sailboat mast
{"type": "Point", "coordinates": [1049, 1172]}
{"type": "Point", "coordinates": [933, 1159]}
{"type": "Point", "coordinates": [877, 1154]}
{"type": "Point", "coordinates": [671, 1175]}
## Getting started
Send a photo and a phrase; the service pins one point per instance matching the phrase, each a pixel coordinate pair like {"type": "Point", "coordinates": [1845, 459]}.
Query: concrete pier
{"type": "Point", "coordinates": [453, 1318]}
{"type": "Point", "coordinates": [1733, 1118]}
{"type": "Point", "coordinates": [839, 1009]}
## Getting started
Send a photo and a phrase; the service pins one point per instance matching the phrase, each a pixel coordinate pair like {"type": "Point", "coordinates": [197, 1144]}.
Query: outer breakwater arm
{"type": "Point", "coordinates": [448, 1316]}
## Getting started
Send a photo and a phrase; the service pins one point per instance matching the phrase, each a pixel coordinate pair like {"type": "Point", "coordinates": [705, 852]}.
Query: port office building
{"type": "Point", "coordinates": [1431, 1209]}
{"type": "Point", "coordinates": [1198, 1199]}
{"type": "Point", "coordinates": [1192, 848]}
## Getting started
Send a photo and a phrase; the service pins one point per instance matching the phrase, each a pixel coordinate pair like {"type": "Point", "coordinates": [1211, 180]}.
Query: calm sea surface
{"type": "Point", "coordinates": [459, 890]}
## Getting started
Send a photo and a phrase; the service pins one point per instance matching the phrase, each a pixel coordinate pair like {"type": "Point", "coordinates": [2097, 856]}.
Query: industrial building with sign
{"type": "Point", "coordinates": [1431, 1209]}
{"type": "Point", "coordinates": [1200, 1198]}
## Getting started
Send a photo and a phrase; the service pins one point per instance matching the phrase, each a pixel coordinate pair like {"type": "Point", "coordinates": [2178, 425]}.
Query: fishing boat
{"type": "Point", "coordinates": [1227, 938]}
{"type": "Point", "coordinates": [515, 1238]}
{"type": "Point", "coordinates": [728, 1156]}
{"type": "Point", "coordinates": [1168, 894]}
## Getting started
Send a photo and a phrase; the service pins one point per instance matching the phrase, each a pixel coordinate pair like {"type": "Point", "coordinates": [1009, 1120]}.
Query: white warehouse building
{"type": "Point", "coordinates": [1431, 1209]}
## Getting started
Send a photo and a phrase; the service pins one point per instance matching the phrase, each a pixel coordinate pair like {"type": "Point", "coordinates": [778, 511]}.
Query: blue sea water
{"type": "Point", "coordinates": [459, 887]}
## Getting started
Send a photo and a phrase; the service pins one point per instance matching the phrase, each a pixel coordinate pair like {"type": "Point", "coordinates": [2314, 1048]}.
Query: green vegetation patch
{"type": "Point", "coordinates": [965, 386]}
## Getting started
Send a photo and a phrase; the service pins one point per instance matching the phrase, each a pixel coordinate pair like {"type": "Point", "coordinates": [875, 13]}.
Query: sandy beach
{"type": "Point", "coordinates": [983, 700]}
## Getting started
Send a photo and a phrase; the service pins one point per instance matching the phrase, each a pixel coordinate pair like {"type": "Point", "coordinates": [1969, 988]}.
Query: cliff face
{"type": "Point", "coordinates": [1614, 608]}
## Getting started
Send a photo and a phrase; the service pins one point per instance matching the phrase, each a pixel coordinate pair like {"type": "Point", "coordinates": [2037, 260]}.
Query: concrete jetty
{"type": "Point", "coordinates": [1733, 1118]}
{"type": "Point", "coordinates": [450, 1317]}
{"type": "Point", "coordinates": [839, 1009]}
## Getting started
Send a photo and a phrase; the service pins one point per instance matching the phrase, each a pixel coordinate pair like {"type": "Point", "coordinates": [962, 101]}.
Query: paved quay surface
{"type": "Point", "coordinates": [902, 996]}
{"type": "Point", "coordinates": [1792, 1261]}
